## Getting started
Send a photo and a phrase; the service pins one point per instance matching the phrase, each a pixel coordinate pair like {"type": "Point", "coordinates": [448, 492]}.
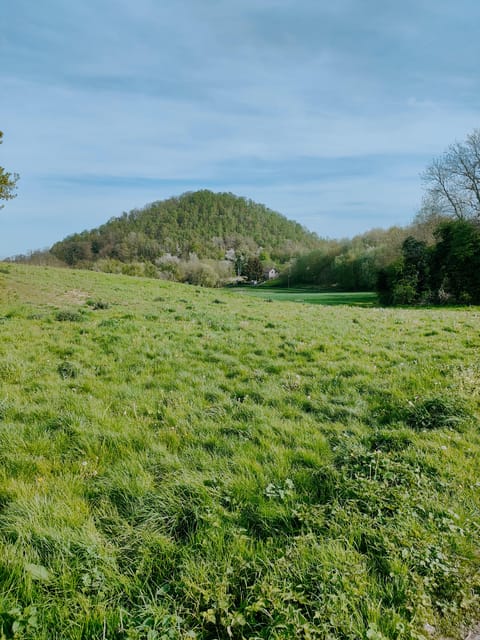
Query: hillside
{"type": "Point", "coordinates": [204, 223]}
{"type": "Point", "coordinates": [178, 462]}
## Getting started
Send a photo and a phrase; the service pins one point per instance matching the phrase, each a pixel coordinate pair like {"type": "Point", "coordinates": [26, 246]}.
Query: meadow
{"type": "Point", "coordinates": [310, 296]}
{"type": "Point", "coordinates": [178, 462]}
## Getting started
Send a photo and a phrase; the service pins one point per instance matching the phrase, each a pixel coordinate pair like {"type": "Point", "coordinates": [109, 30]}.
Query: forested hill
{"type": "Point", "coordinates": [203, 223]}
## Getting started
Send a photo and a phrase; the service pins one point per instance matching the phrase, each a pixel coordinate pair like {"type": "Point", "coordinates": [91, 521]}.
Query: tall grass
{"type": "Point", "coordinates": [184, 463]}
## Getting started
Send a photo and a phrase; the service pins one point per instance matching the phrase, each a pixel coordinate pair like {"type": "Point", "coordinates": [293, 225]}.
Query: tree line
{"type": "Point", "coordinates": [448, 271]}
{"type": "Point", "coordinates": [201, 237]}
{"type": "Point", "coordinates": [434, 260]}
{"type": "Point", "coordinates": [214, 238]}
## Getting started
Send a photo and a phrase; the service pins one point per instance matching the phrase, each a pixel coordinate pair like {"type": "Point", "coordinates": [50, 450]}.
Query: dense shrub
{"type": "Point", "coordinates": [446, 272]}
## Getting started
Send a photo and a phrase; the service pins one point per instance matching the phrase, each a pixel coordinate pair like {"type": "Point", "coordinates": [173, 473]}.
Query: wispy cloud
{"type": "Point", "coordinates": [324, 112]}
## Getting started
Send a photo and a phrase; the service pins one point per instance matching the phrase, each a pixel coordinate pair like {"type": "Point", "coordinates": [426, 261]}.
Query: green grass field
{"type": "Point", "coordinates": [356, 299]}
{"type": "Point", "coordinates": [177, 462]}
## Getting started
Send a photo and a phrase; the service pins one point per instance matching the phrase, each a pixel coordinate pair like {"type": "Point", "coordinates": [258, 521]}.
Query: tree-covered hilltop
{"type": "Point", "coordinates": [203, 223]}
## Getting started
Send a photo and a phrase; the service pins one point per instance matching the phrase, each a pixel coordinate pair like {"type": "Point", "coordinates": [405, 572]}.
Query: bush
{"type": "Point", "coordinates": [405, 292]}
{"type": "Point", "coordinates": [201, 274]}
{"type": "Point", "coordinates": [98, 304]}
{"type": "Point", "coordinates": [67, 315]}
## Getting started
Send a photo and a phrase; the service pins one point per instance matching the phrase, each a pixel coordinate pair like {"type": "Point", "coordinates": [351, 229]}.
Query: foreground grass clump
{"type": "Point", "coordinates": [183, 463]}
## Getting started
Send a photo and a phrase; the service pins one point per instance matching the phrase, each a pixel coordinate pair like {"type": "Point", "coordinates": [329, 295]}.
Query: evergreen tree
{"type": "Point", "coordinates": [253, 269]}
{"type": "Point", "coordinates": [455, 263]}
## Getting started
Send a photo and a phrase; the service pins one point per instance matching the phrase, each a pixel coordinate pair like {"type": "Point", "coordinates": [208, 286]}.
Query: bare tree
{"type": "Point", "coordinates": [453, 180]}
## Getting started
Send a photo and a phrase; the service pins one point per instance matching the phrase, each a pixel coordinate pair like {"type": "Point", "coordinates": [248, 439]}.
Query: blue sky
{"type": "Point", "coordinates": [326, 112]}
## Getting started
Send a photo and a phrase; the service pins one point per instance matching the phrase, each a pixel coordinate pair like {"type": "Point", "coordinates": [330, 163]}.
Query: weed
{"type": "Point", "coordinates": [67, 315]}
{"type": "Point", "coordinates": [67, 369]}
{"type": "Point", "coordinates": [97, 304]}
{"type": "Point", "coordinates": [436, 413]}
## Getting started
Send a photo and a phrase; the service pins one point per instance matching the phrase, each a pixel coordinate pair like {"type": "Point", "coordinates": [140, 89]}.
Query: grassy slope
{"type": "Point", "coordinates": [194, 463]}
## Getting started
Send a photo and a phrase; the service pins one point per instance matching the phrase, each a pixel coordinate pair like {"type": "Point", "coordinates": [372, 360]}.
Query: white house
{"type": "Point", "coordinates": [270, 274]}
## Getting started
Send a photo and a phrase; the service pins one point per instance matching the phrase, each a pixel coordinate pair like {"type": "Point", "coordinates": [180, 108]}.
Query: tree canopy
{"type": "Point", "coordinates": [8, 182]}
{"type": "Point", "coordinates": [446, 272]}
{"type": "Point", "coordinates": [202, 223]}
{"type": "Point", "coordinates": [447, 269]}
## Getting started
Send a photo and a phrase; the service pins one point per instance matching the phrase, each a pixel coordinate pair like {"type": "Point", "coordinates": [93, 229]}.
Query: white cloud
{"type": "Point", "coordinates": [215, 92]}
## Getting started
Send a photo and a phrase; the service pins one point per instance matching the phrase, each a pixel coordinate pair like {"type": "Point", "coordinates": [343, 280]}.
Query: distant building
{"type": "Point", "coordinates": [270, 274]}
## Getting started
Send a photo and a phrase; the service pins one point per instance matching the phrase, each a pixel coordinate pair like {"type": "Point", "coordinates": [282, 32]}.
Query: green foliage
{"type": "Point", "coordinates": [67, 370]}
{"type": "Point", "coordinates": [68, 315]}
{"type": "Point", "coordinates": [347, 265]}
{"type": "Point", "coordinates": [406, 282]}
{"type": "Point", "coordinates": [456, 261]}
{"type": "Point", "coordinates": [253, 269]}
{"type": "Point", "coordinates": [8, 181]}
{"type": "Point", "coordinates": [203, 275]}
{"type": "Point", "coordinates": [203, 223]}
{"type": "Point", "coordinates": [448, 271]}
{"type": "Point", "coordinates": [98, 304]}
{"type": "Point", "coordinates": [416, 264]}
{"type": "Point", "coordinates": [188, 463]}
{"type": "Point", "coordinates": [435, 413]}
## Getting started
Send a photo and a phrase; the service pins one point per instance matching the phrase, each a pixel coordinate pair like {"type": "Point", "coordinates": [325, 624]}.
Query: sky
{"type": "Point", "coordinates": [327, 112]}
